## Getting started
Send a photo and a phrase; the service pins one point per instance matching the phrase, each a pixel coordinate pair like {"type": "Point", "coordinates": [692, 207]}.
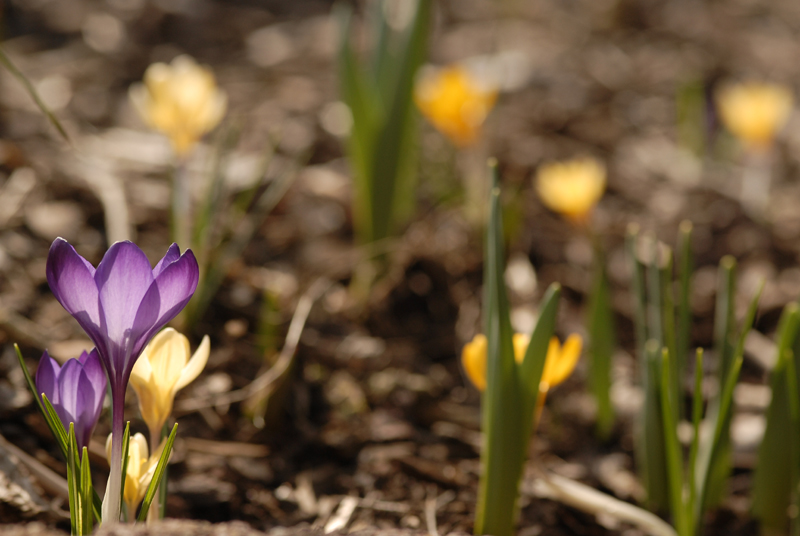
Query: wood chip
{"type": "Point", "coordinates": [343, 514]}
{"type": "Point", "coordinates": [226, 448]}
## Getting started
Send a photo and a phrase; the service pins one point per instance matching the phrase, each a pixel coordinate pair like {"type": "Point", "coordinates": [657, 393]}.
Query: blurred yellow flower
{"type": "Point", "coordinates": [473, 357]}
{"type": "Point", "coordinates": [561, 361]}
{"type": "Point", "coordinates": [161, 371]}
{"type": "Point", "coordinates": [141, 468]}
{"type": "Point", "coordinates": [181, 100]}
{"type": "Point", "coordinates": [558, 365]}
{"type": "Point", "coordinates": [455, 102]}
{"type": "Point", "coordinates": [572, 188]}
{"type": "Point", "coordinates": [754, 112]}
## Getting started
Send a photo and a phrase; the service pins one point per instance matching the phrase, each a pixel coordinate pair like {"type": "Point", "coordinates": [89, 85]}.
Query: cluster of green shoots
{"type": "Point", "coordinates": [682, 481]}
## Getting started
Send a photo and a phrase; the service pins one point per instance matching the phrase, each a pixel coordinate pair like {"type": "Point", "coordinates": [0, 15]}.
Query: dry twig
{"type": "Point", "coordinates": [265, 381]}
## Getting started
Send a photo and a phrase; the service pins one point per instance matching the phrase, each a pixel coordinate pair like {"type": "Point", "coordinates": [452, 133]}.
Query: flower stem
{"type": "Point", "coordinates": [112, 501]}
{"type": "Point", "coordinates": [756, 183]}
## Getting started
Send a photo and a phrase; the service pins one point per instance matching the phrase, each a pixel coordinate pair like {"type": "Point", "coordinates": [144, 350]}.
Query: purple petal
{"type": "Point", "coordinates": [168, 295]}
{"type": "Point", "coordinates": [47, 377]}
{"type": "Point", "coordinates": [70, 395]}
{"type": "Point", "coordinates": [71, 278]}
{"type": "Point", "coordinates": [93, 370]}
{"type": "Point", "coordinates": [173, 254]}
{"type": "Point", "coordinates": [84, 423]}
{"type": "Point", "coordinates": [122, 278]}
{"type": "Point", "coordinates": [176, 286]}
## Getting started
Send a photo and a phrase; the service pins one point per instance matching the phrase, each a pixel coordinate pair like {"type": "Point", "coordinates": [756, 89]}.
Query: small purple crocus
{"type": "Point", "coordinates": [121, 305]}
{"type": "Point", "coordinates": [75, 390]}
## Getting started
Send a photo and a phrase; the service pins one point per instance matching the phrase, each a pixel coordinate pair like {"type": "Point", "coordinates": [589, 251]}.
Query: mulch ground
{"type": "Point", "coordinates": [375, 416]}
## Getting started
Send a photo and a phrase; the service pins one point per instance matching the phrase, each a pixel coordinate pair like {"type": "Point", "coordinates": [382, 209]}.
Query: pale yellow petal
{"type": "Point", "coordinates": [157, 78]}
{"type": "Point", "coordinates": [571, 188]}
{"type": "Point", "coordinates": [148, 470]}
{"type": "Point", "coordinates": [181, 100]}
{"type": "Point", "coordinates": [137, 456]}
{"type": "Point", "coordinates": [141, 444]}
{"type": "Point", "coordinates": [142, 371]}
{"type": "Point", "coordinates": [108, 448]}
{"type": "Point", "coordinates": [168, 353]}
{"type": "Point", "coordinates": [153, 410]}
{"type": "Point", "coordinates": [473, 358]}
{"type": "Point", "coordinates": [755, 112]}
{"type": "Point", "coordinates": [195, 365]}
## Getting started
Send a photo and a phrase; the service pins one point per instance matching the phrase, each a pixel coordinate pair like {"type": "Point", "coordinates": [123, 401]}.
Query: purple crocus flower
{"type": "Point", "coordinates": [124, 302]}
{"type": "Point", "coordinates": [75, 390]}
{"type": "Point", "coordinates": [121, 305]}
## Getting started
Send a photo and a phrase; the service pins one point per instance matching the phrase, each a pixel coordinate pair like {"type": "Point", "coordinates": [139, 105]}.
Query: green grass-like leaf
{"type": "Point", "coordinates": [158, 474]}
{"type": "Point", "coordinates": [512, 389]}
{"type": "Point", "coordinates": [772, 483]}
{"type": "Point", "coordinates": [670, 340]}
{"type": "Point", "coordinates": [714, 456]}
{"type": "Point", "coordinates": [654, 467]}
{"type": "Point", "coordinates": [73, 485]}
{"type": "Point", "coordinates": [126, 441]}
{"type": "Point", "coordinates": [87, 493]}
{"type": "Point", "coordinates": [723, 320]}
{"type": "Point", "coordinates": [697, 416]}
{"type": "Point", "coordinates": [601, 345]}
{"type": "Point", "coordinates": [671, 444]}
{"type": "Point", "coordinates": [684, 320]}
{"type": "Point", "coordinates": [382, 140]}
{"type": "Point", "coordinates": [501, 411]}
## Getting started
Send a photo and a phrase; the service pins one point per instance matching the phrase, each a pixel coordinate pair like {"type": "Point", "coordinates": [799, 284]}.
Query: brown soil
{"type": "Point", "coordinates": [376, 406]}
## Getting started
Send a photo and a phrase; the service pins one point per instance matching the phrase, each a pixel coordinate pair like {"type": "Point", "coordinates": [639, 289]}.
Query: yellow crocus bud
{"type": "Point", "coordinates": [754, 112]}
{"type": "Point", "coordinates": [572, 188]}
{"type": "Point", "coordinates": [163, 369]}
{"type": "Point", "coordinates": [141, 468]}
{"type": "Point", "coordinates": [455, 102]}
{"type": "Point", "coordinates": [558, 365]}
{"type": "Point", "coordinates": [181, 100]}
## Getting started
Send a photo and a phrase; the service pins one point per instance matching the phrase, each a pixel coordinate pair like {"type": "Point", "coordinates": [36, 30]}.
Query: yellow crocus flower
{"type": "Point", "coordinates": [181, 100]}
{"type": "Point", "coordinates": [754, 112]}
{"type": "Point", "coordinates": [141, 468]}
{"type": "Point", "coordinates": [163, 369]}
{"type": "Point", "coordinates": [558, 365]}
{"type": "Point", "coordinates": [572, 188]}
{"type": "Point", "coordinates": [455, 102]}
{"type": "Point", "coordinates": [473, 357]}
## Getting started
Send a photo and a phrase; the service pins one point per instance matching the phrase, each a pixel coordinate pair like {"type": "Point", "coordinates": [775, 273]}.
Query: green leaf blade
{"type": "Point", "coordinates": [73, 485]}
{"type": "Point", "coordinates": [772, 483]}
{"type": "Point", "coordinates": [87, 493]}
{"type": "Point", "coordinates": [501, 412]}
{"type": "Point", "coordinates": [158, 474]}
